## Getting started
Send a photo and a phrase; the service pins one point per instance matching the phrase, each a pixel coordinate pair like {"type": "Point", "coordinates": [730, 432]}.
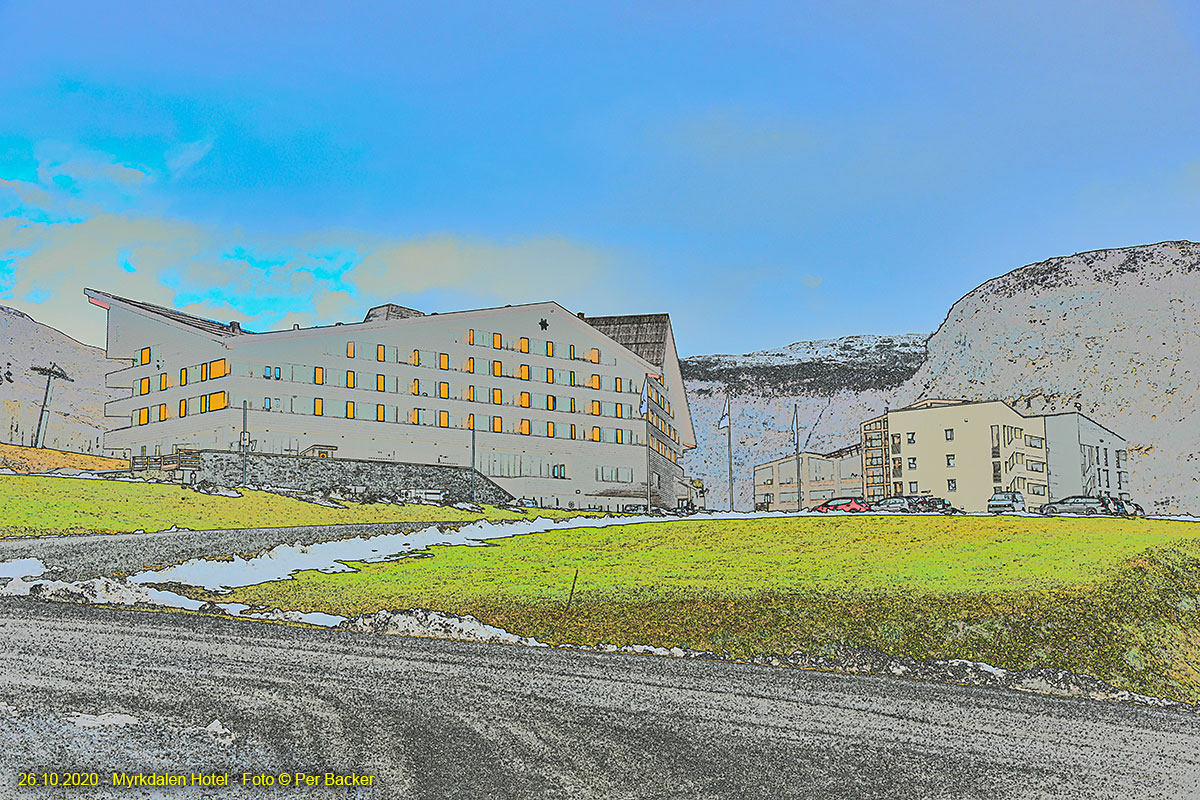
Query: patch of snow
{"type": "Point", "coordinates": [106, 720]}
{"type": "Point", "coordinates": [220, 732]}
{"type": "Point", "coordinates": [422, 623]}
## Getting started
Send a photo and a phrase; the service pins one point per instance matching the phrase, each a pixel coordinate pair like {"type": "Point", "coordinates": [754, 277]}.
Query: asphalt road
{"type": "Point", "coordinates": [433, 719]}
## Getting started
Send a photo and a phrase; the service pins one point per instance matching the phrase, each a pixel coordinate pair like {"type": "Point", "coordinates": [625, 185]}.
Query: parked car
{"type": "Point", "coordinates": [898, 505]}
{"type": "Point", "coordinates": [1077, 504]}
{"type": "Point", "coordinates": [842, 504]}
{"type": "Point", "coordinates": [1002, 502]}
{"type": "Point", "coordinates": [936, 504]}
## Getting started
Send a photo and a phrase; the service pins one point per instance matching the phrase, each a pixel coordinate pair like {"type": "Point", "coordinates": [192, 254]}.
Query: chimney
{"type": "Point", "coordinates": [235, 326]}
{"type": "Point", "coordinates": [296, 326]}
{"type": "Point", "coordinates": [580, 315]}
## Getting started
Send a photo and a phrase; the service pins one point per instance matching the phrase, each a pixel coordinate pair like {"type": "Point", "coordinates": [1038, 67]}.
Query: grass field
{"type": "Point", "coordinates": [44, 459]}
{"type": "Point", "coordinates": [1117, 599]}
{"type": "Point", "coordinates": [37, 506]}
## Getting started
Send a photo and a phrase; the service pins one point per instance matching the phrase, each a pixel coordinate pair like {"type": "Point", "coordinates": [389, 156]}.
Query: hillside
{"type": "Point", "coordinates": [77, 407]}
{"type": "Point", "coordinates": [1112, 333]}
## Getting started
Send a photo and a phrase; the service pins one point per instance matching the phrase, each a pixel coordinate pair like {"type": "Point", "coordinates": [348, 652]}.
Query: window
{"type": "Point", "coordinates": [143, 416]}
{"type": "Point", "coordinates": [318, 406]}
{"type": "Point", "coordinates": [277, 373]}
{"type": "Point", "coordinates": [950, 459]}
{"type": "Point", "coordinates": [912, 487]}
{"type": "Point", "coordinates": [379, 413]}
{"type": "Point", "coordinates": [595, 434]}
{"type": "Point", "coordinates": [443, 361]}
{"type": "Point", "coordinates": [523, 344]}
{"type": "Point", "coordinates": [524, 429]}
{"type": "Point", "coordinates": [415, 416]}
{"type": "Point", "coordinates": [144, 356]}
{"type": "Point", "coordinates": [594, 408]}
{"type": "Point", "coordinates": [573, 378]}
{"type": "Point", "coordinates": [594, 356]}
{"type": "Point", "coordinates": [144, 386]}
{"type": "Point", "coordinates": [162, 381]}
{"type": "Point", "coordinates": [550, 429]}
{"type": "Point", "coordinates": [162, 412]}
{"type": "Point", "coordinates": [550, 401]}
{"type": "Point", "coordinates": [349, 379]}
{"type": "Point", "coordinates": [183, 408]}
{"type": "Point", "coordinates": [620, 437]}
{"type": "Point", "coordinates": [349, 409]}
{"type": "Point", "coordinates": [620, 410]}
{"type": "Point", "coordinates": [594, 382]}
{"type": "Point", "coordinates": [203, 404]}
{"type": "Point", "coordinates": [379, 383]}
{"type": "Point", "coordinates": [183, 377]}
{"type": "Point", "coordinates": [617, 385]}
{"type": "Point", "coordinates": [912, 437]}
{"type": "Point", "coordinates": [349, 349]}
{"type": "Point", "coordinates": [1035, 441]}
{"type": "Point", "coordinates": [571, 352]}
{"type": "Point", "coordinates": [497, 369]}
{"type": "Point", "coordinates": [416, 386]}
{"type": "Point", "coordinates": [267, 403]}
{"type": "Point", "coordinates": [949, 434]}
{"type": "Point", "coordinates": [443, 419]}
{"type": "Point", "coordinates": [1036, 466]}
{"type": "Point", "coordinates": [204, 372]}
{"type": "Point", "coordinates": [549, 374]}
{"type": "Point", "coordinates": [218, 400]}
{"type": "Point", "coordinates": [444, 391]}
{"type": "Point", "coordinates": [951, 485]}
{"type": "Point", "coordinates": [471, 393]}
{"type": "Point", "coordinates": [379, 352]}
{"type": "Point", "coordinates": [1037, 489]}
{"type": "Point", "coordinates": [318, 375]}
{"type": "Point", "coordinates": [524, 400]}
{"type": "Point", "coordinates": [574, 434]}
{"type": "Point", "coordinates": [572, 405]}
{"type": "Point", "coordinates": [470, 422]}
{"type": "Point", "coordinates": [523, 372]}
{"type": "Point", "coordinates": [497, 341]}
{"type": "Point", "coordinates": [550, 349]}
{"type": "Point", "coordinates": [497, 397]}
{"type": "Point", "coordinates": [471, 336]}
{"type": "Point", "coordinates": [912, 463]}
{"type": "Point", "coordinates": [497, 422]}
{"type": "Point", "coordinates": [471, 364]}
{"type": "Point", "coordinates": [415, 358]}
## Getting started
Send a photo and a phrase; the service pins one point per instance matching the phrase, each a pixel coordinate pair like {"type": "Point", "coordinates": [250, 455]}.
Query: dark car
{"type": "Point", "coordinates": [896, 505]}
{"type": "Point", "coordinates": [1077, 504]}
{"type": "Point", "coordinates": [842, 504]}
{"type": "Point", "coordinates": [939, 505]}
{"type": "Point", "coordinates": [1006, 501]}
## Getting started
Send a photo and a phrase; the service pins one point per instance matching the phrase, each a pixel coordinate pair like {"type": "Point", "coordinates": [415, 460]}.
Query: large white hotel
{"type": "Point", "coordinates": [551, 397]}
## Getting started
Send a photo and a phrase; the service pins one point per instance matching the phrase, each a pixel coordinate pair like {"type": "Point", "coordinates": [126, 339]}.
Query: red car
{"type": "Point", "coordinates": [842, 504]}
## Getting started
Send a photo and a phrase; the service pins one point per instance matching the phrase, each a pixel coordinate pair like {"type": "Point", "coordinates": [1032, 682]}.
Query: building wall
{"type": "Point", "coordinates": [822, 477]}
{"type": "Point", "coordinates": [1085, 458]}
{"type": "Point", "coordinates": [585, 447]}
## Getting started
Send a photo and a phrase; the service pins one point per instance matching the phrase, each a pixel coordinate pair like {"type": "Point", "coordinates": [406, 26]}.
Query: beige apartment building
{"type": "Point", "coordinates": [966, 451]}
{"type": "Point", "coordinates": [823, 476]}
{"type": "Point", "coordinates": [544, 402]}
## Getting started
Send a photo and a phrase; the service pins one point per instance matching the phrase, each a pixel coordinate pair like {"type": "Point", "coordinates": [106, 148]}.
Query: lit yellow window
{"type": "Point", "coordinates": [617, 385]}
{"type": "Point", "coordinates": [379, 413]}
{"type": "Point", "coordinates": [471, 336]}
{"type": "Point", "coordinates": [183, 377]}
{"type": "Point", "coordinates": [549, 402]}
{"type": "Point", "coordinates": [594, 382]}
{"type": "Point", "coordinates": [620, 436]}
{"type": "Point", "coordinates": [218, 400]}
{"type": "Point", "coordinates": [162, 381]}
{"type": "Point", "coordinates": [497, 396]}
{"type": "Point", "coordinates": [471, 393]}
{"type": "Point", "coordinates": [415, 416]}
{"type": "Point", "coordinates": [216, 369]}
{"type": "Point", "coordinates": [573, 378]}
{"type": "Point", "coordinates": [595, 434]}
{"type": "Point", "coordinates": [379, 352]}
{"type": "Point", "coordinates": [524, 372]}
{"type": "Point", "coordinates": [571, 352]}
{"type": "Point", "coordinates": [204, 372]}
{"type": "Point", "coordinates": [162, 412]}
{"type": "Point", "coordinates": [318, 406]}
{"type": "Point", "coordinates": [349, 409]}
{"type": "Point", "coordinates": [379, 383]}
{"type": "Point", "coordinates": [143, 416]}
{"type": "Point", "coordinates": [525, 427]}
{"type": "Point", "coordinates": [470, 422]}
{"type": "Point", "coordinates": [497, 370]}
{"type": "Point", "coordinates": [203, 404]}
{"type": "Point", "coordinates": [416, 358]}
{"type": "Point", "coordinates": [471, 364]}
{"type": "Point", "coordinates": [620, 412]}
{"type": "Point", "coordinates": [594, 409]}
{"type": "Point", "coordinates": [572, 405]}
{"type": "Point", "coordinates": [444, 390]}
{"type": "Point", "coordinates": [594, 356]}
{"type": "Point", "coordinates": [550, 429]}
{"type": "Point", "coordinates": [523, 344]}
{"type": "Point", "coordinates": [416, 386]}
{"type": "Point", "coordinates": [549, 374]}
{"type": "Point", "coordinates": [550, 349]}
{"type": "Point", "coordinates": [497, 341]}
{"type": "Point", "coordinates": [444, 361]}
{"type": "Point", "coordinates": [144, 386]}
{"type": "Point", "coordinates": [497, 424]}
{"type": "Point", "coordinates": [443, 419]}
{"type": "Point", "coordinates": [318, 375]}
{"type": "Point", "coordinates": [524, 399]}
{"type": "Point", "coordinates": [349, 349]}
{"type": "Point", "coordinates": [573, 432]}
{"type": "Point", "coordinates": [183, 408]}
{"type": "Point", "coordinates": [349, 379]}
{"type": "Point", "coordinates": [145, 355]}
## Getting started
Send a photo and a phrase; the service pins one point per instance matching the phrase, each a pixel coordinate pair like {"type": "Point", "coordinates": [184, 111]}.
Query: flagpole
{"type": "Point", "coordinates": [647, 463]}
{"type": "Point", "coordinates": [729, 442]}
{"type": "Point", "coordinates": [796, 439]}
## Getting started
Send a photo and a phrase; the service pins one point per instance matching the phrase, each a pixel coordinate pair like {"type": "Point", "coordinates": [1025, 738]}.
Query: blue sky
{"type": "Point", "coordinates": [764, 172]}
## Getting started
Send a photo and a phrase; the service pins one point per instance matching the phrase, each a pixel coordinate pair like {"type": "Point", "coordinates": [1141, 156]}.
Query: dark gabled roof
{"type": "Point", "coordinates": [391, 311]}
{"type": "Point", "coordinates": [206, 325]}
{"type": "Point", "coordinates": [644, 334]}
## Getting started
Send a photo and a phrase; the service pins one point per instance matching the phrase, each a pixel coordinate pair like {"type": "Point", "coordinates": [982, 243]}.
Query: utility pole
{"type": "Point", "coordinates": [796, 439]}
{"type": "Point", "coordinates": [51, 372]}
{"type": "Point", "coordinates": [473, 461]}
{"type": "Point", "coordinates": [245, 441]}
{"type": "Point", "coordinates": [729, 443]}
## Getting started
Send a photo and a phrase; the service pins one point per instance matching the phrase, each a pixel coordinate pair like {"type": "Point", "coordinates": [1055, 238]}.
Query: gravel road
{"type": "Point", "coordinates": [438, 719]}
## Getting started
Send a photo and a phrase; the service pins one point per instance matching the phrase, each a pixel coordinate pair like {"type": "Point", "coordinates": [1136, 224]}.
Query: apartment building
{"type": "Point", "coordinates": [966, 451]}
{"type": "Point", "coordinates": [542, 401]}
{"type": "Point", "coordinates": [822, 476]}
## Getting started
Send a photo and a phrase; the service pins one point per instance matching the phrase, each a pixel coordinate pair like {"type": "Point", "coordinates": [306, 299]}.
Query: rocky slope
{"type": "Point", "coordinates": [1111, 333]}
{"type": "Point", "coordinates": [77, 407]}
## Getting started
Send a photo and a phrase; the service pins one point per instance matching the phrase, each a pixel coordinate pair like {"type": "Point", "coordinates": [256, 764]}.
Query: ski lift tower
{"type": "Point", "coordinates": [51, 372]}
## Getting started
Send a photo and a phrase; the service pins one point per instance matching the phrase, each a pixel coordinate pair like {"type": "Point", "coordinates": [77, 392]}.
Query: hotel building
{"type": "Point", "coordinates": [550, 398]}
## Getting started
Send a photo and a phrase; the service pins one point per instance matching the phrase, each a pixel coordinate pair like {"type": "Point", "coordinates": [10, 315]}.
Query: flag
{"type": "Point", "coordinates": [795, 426]}
{"type": "Point", "coordinates": [645, 406]}
{"type": "Point", "coordinates": [724, 423]}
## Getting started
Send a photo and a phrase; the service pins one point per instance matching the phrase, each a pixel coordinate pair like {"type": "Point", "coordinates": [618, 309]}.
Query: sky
{"type": "Point", "coordinates": [765, 173]}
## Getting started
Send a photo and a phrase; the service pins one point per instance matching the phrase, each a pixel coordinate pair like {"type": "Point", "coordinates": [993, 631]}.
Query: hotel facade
{"type": "Point", "coordinates": [548, 401]}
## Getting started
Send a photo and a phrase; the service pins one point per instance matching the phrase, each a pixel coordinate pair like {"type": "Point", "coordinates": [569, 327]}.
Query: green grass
{"type": "Point", "coordinates": [1117, 599]}
{"type": "Point", "coordinates": [35, 506]}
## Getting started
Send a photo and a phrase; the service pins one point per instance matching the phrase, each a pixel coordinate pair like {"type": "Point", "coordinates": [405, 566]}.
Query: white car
{"type": "Point", "coordinates": [1006, 501]}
